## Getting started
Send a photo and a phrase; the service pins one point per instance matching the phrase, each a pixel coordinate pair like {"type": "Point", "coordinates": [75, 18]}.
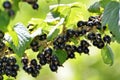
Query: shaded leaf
{"type": "Point", "coordinates": [62, 55]}
{"type": "Point", "coordinates": [111, 17]}
{"type": "Point", "coordinates": [103, 3]}
{"type": "Point", "coordinates": [95, 8]}
{"type": "Point", "coordinates": [107, 55]}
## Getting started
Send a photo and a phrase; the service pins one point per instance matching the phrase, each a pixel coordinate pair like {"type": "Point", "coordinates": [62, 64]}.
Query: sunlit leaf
{"type": "Point", "coordinates": [24, 39]}
{"type": "Point", "coordinates": [107, 55]}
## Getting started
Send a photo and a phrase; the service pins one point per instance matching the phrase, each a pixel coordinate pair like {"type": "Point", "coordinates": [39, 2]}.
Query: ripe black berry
{"type": "Point", "coordinates": [35, 6]}
{"type": "Point", "coordinates": [24, 61]}
{"type": "Point", "coordinates": [80, 49]}
{"type": "Point", "coordinates": [70, 54]}
{"type": "Point", "coordinates": [42, 37]}
{"type": "Point", "coordinates": [7, 4]}
{"type": "Point", "coordinates": [34, 43]}
{"type": "Point", "coordinates": [53, 67]}
{"type": "Point", "coordinates": [84, 43]}
{"type": "Point", "coordinates": [80, 23]}
{"type": "Point", "coordinates": [48, 52]}
{"type": "Point", "coordinates": [33, 62]}
{"type": "Point", "coordinates": [91, 36]}
{"type": "Point", "coordinates": [107, 38]}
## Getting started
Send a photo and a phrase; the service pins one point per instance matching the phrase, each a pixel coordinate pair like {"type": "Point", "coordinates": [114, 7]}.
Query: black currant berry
{"type": "Point", "coordinates": [107, 39]}
{"type": "Point", "coordinates": [90, 24]}
{"type": "Point", "coordinates": [37, 67]}
{"type": "Point", "coordinates": [91, 36]}
{"type": "Point", "coordinates": [7, 4]}
{"type": "Point", "coordinates": [100, 45]}
{"type": "Point", "coordinates": [24, 60]}
{"type": "Point", "coordinates": [48, 52]}
{"type": "Point", "coordinates": [70, 33]}
{"type": "Point", "coordinates": [15, 67]}
{"type": "Point", "coordinates": [84, 43]}
{"type": "Point", "coordinates": [53, 67]}
{"type": "Point", "coordinates": [70, 54]}
{"type": "Point", "coordinates": [80, 23]}
{"type": "Point", "coordinates": [80, 49]}
{"type": "Point", "coordinates": [42, 37]}
{"type": "Point", "coordinates": [33, 62]}
{"type": "Point", "coordinates": [68, 47]}
{"type": "Point", "coordinates": [55, 60]}
{"type": "Point", "coordinates": [85, 50]}
{"type": "Point", "coordinates": [34, 43]}
{"type": "Point", "coordinates": [35, 6]}
{"type": "Point", "coordinates": [42, 61]}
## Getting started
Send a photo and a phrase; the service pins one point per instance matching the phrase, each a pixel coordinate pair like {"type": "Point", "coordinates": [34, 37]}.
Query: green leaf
{"type": "Point", "coordinates": [111, 17]}
{"type": "Point", "coordinates": [55, 31]}
{"type": "Point", "coordinates": [14, 37]}
{"type": "Point", "coordinates": [62, 55]}
{"type": "Point", "coordinates": [107, 55]}
{"type": "Point", "coordinates": [103, 3]}
{"type": "Point", "coordinates": [24, 39]}
{"type": "Point", "coordinates": [74, 40]}
{"type": "Point", "coordinates": [95, 8]}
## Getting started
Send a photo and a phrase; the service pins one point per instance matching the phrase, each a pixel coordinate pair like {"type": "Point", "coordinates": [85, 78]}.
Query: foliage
{"type": "Point", "coordinates": [54, 21]}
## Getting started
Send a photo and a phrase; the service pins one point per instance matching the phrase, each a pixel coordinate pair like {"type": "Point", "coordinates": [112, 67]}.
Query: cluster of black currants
{"type": "Point", "coordinates": [33, 3]}
{"type": "Point", "coordinates": [47, 57]}
{"type": "Point", "coordinates": [8, 67]}
{"type": "Point", "coordinates": [8, 7]}
{"type": "Point", "coordinates": [2, 44]}
{"type": "Point", "coordinates": [31, 67]}
{"type": "Point", "coordinates": [90, 31]}
{"type": "Point", "coordinates": [37, 41]}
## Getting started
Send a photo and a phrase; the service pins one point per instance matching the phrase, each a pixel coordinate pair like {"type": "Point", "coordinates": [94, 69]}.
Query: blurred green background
{"type": "Point", "coordinates": [84, 67]}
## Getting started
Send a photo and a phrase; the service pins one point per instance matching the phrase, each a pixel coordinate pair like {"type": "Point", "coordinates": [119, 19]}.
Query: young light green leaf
{"type": "Point", "coordinates": [24, 39]}
{"type": "Point", "coordinates": [55, 31]}
{"type": "Point", "coordinates": [107, 55]}
{"type": "Point", "coordinates": [111, 17]}
{"type": "Point", "coordinates": [62, 55]}
{"type": "Point", "coordinates": [95, 8]}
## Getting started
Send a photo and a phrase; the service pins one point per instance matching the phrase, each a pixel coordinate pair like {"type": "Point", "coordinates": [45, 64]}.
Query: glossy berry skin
{"type": "Point", "coordinates": [34, 43]}
{"type": "Point", "coordinates": [48, 52]}
{"type": "Point", "coordinates": [80, 23]}
{"type": "Point", "coordinates": [80, 49]}
{"type": "Point", "coordinates": [100, 45]}
{"type": "Point", "coordinates": [107, 39]}
{"type": "Point", "coordinates": [70, 54]}
{"type": "Point", "coordinates": [70, 33]}
{"type": "Point", "coordinates": [24, 61]}
{"type": "Point", "coordinates": [91, 36]}
{"type": "Point", "coordinates": [53, 67]}
{"type": "Point", "coordinates": [7, 4]}
{"type": "Point", "coordinates": [33, 62]}
{"type": "Point", "coordinates": [42, 37]}
{"type": "Point", "coordinates": [35, 6]}
{"type": "Point", "coordinates": [85, 50]}
{"type": "Point", "coordinates": [84, 43]}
